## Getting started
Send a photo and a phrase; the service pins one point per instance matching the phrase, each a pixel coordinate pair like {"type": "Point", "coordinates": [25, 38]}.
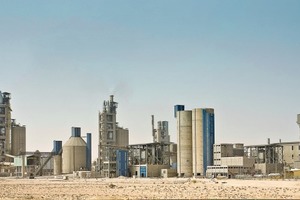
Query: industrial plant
{"type": "Point", "coordinates": [194, 155]}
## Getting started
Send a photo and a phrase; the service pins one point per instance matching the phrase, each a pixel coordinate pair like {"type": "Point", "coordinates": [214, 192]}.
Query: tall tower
{"type": "Point", "coordinates": [5, 125]}
{"type": "Point", "coordinates": [196, 136]}
{"type": "Point", "coordinates": [203, 136]}
{"type": "Point", "coordinates": [111, 138]}
{"type": "Point", "coordinates": [107, 134]}
{"type": "Point", "coordinates": [298, 121]}
{"type": "Point", "coordinates": [184, 143]}
{"type": "Point", "coordinates": [161, 134]}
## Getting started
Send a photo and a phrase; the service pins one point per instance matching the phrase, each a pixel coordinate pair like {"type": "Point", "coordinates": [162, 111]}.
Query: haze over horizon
{"type": "Point", "coordinates": [61, 59]}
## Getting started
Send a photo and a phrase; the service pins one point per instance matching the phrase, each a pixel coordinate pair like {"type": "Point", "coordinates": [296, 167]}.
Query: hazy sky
{"type": "Point", "coordinates": [61, 59]}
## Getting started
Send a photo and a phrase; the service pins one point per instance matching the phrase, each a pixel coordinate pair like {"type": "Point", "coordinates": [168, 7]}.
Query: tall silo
{"type": "Point", "coordinates": [184, 148]}
{"type": "Point", "coordinates": [197, 144]}
{"type": "Point", "coordinates": [74, 153]}
{"type": "Point", "coordinates": [88, 151]}
{"type": "Point", "coordinates": [57, 166]}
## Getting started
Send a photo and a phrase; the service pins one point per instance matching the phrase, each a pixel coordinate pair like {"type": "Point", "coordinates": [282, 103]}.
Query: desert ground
{"type": "Point", "coordinates": [147, 188]}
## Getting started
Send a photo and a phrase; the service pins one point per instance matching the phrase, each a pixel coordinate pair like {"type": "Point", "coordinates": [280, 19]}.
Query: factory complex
{"type": "Point", "coordinates": [193, 154]}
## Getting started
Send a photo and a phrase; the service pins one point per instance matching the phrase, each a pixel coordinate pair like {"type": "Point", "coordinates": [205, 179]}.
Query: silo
{"type": "Point", "coordinates": [88, 151]}
{"type": "Point", "coordinates": [57, 165]}
{"type": "Point", "coordinates": [184, 137]}
{"type": "Point", "coordinates": [197, 144]}
{"type": "Point", "coordinates": [74, 154]}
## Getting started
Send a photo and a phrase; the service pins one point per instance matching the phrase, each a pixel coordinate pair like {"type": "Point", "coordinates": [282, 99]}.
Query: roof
{"type": "Point", "coordinates": [75, 141]}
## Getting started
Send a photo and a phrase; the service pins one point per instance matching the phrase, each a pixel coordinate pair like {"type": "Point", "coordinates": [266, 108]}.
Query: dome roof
{"type": "Point", "coordinates": [75, 141]}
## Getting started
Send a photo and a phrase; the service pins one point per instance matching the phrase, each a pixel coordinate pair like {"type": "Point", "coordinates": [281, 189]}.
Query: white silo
{"type": "Point", "coordinates": [197, 143]}
{"type": "Point", "coordinates": [184, 146]}
{"type": "Point", "coordinates": [74, 153]}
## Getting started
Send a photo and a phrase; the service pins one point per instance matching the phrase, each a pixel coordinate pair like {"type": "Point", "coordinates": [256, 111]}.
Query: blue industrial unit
{"type": "Point", "coordinates": [208, 138]}
{"type": "Point", "coordinates": [143, 171]}
{"type": "Point", "coordinates": [122, 163]}
{"type": "Point", "coordinates": [57, 146]}
{"type": "Point", "coordinates": [76, 132]}
{"type": "Point", "coordinates": [88, 151]}
{"type": "Point", "coordinates": [178, 108]}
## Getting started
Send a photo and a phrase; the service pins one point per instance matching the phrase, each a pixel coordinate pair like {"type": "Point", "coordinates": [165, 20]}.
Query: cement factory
{"type": "Point", "coordinates": [195, 153]}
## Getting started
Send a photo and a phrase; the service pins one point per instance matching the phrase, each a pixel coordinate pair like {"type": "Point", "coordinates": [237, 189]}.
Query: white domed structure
{"type": "Point", "coordinates": [74, 154]}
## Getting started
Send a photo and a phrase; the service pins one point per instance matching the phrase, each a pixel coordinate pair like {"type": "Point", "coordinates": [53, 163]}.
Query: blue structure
{"type": "Point", "coordinates": [208, 137]}
{"type": "Point", "coordinates": [178, 108]}
{"type": "Point", "coordinates": [122, 163]}
{"type": "Point", "coordinates": [143, 171]}
{"type": "Point", "coordinates": [88, 151]}
{"type": "Point", "coordinates": [57, 146]}
{"type": "Point", "coordinates": [76, 132]}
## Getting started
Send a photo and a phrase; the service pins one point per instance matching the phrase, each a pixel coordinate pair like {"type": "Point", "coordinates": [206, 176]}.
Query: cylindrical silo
{"type": "Point", "coordinates": [57, 167]}
{"type": "Point", "coordinates": [184, 146]}
{"type": "Point", "coordinates": [57, 164]}
{"type": "Point", "coordinates": [74, 155]}
{"type": "Point", "coordinates": [88, 151]}
{"type": "Point", "coordinates": [197, 144]}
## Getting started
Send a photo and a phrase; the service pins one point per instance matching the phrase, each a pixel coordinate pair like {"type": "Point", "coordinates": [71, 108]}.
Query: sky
{"type": "Point", "coordinates": [61, 59]}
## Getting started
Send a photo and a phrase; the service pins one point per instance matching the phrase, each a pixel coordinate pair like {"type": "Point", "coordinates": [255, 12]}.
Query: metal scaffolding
{"type": "Point", "coordinates": [269, 154]}
{"type": "Point", "coordinates": [150, 153]}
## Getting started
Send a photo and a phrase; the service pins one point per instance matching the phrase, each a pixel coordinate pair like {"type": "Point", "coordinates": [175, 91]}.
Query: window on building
{"type": "Point", "coordinates": [110, 135]}
{"type": "Point", "coordinates": [292, 147]}
{"type": "Point", "coordinates": [292, 156]}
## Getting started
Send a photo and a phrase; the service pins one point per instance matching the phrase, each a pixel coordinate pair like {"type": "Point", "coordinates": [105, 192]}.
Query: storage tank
{"type": "Point", "coordinates": [184, 146]}
{"type": "Point", "coordinates": [74, 154]}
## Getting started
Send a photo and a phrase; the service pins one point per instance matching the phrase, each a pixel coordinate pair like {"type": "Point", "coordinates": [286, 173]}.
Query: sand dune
{"type": "Point", "coordinates": [146, 188]}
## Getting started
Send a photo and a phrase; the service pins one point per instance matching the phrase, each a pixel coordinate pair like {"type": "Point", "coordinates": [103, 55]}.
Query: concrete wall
{"type": "Point", "coordinates": [269, 168]}
{"type": "Point", "coordinates": [155, 170]}
{"type": "Point", "coordinates": [151, 170]}
{"type": "Point", "coordinates": [166, 173]}
{"type": "Point", "coordinates": [291, 153]}
{"type": "Point", "coordinates": [238, 161]}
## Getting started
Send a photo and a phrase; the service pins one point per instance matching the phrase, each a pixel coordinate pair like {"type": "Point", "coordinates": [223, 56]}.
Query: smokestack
{"type": "Point", "coordinates": [111, 98]}
{"type": "Point", "coordinates": [153, 129]}
{"type": "Point", "coordinates": [268, 140]}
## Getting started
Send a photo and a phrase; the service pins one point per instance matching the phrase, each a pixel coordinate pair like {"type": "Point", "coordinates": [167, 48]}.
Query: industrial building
{"type": "Point", "coordinates": [229, 161]}
{"type": "Point", "coordinates": [268, 158]}
{"type": "Point", "coordinates": [113, 141]}
{"type": "Point", "coordinates": [147, 160]}
{"type": "Point", "coordinates": [12, 136]}
{"type": "Point", "coordinates": [161, 134]}
{"type": "Point", "coordinates": [5, 125]}
{"type": "Point", "coordinates": [272, 158]}
{"type": "Point", "coordinates": [195, 136]}
{"type": "Point", "coordinates": [150, 159]}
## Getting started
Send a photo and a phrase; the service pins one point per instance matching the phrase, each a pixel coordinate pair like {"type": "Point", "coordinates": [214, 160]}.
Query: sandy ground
{"type": "Point", "coordinates": [147, 188]}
